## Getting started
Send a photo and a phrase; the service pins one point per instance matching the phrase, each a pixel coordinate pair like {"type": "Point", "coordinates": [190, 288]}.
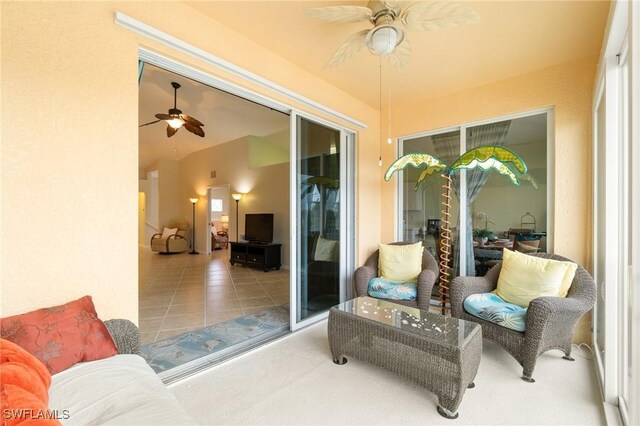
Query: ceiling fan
{"type": "Point", "coordinates": [176, 119]}
{"type": "Point", "coordinates": [386, 38]}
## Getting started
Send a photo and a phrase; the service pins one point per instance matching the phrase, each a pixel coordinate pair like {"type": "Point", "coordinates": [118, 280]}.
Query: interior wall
{"type": "Point", "coordinates": [170, 196]}
{"type": "Point", "coordinates": [568, 89]}
{"type": "Point", "coordinates": [266, 188]}
{"type": "Point", "coordinates": [69, 132]}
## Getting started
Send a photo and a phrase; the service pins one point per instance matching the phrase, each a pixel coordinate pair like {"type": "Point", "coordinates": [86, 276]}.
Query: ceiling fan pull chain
{"type": "Point", "coordinates": [389, 140]}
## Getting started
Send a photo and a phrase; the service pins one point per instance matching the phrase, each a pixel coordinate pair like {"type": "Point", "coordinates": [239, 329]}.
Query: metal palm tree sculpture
{"type": "Point", "coordinates": [499, 158]}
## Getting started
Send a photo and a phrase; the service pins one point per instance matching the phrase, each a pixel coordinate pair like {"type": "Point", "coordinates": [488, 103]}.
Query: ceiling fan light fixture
{"type": "Point", "coordinates": [175, 122]}
{"type": "Point", "coordinates": [383, 39]}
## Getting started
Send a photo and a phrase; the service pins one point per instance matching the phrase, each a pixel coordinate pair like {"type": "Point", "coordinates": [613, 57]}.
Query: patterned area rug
{"type": "Point", "coordinates": [179, 350]}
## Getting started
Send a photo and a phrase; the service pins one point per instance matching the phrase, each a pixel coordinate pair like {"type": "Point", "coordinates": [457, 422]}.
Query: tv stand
{"type": "Point", "coordinates": [265, 256]}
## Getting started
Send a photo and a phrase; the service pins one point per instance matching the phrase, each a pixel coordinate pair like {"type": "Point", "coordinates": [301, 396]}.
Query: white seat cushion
{"type": "Point", "coordinates": [120, 390]}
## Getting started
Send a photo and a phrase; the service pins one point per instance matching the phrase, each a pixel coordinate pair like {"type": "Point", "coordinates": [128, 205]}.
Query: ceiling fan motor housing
{"type": "Point", "coordinates": [382, 8]}
{"type": "Point", "coordinates": [384, 37]}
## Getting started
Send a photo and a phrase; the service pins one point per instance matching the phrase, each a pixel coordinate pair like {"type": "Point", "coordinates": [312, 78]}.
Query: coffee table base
{"type": "Point", "coordinates": [443, 369]}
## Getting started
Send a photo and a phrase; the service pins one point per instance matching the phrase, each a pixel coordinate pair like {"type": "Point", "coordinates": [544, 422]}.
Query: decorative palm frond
{"type": "Point", "coordinates": [430, 163]}
{"type": "Point", "coordinates": [327, 181]}
{"type": "Point", "coordinates": [503, 160]}
{"type": "Point", "coordinates": [484, 153]}
{"type": "Point", "coordinates": [531, 180]}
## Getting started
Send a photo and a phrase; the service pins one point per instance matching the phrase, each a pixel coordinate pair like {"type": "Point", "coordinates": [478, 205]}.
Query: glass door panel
{"type": "Point", "coordinates": [509, 216]}
{"type": "Point", "coordinates": [421, 218]}
{"type": "Point", "coordinates": [319, 183]}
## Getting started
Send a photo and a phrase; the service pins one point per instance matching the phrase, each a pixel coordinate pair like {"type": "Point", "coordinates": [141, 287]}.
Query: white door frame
{"type": "Point", "coordinates": [347, 218]}
{"type": "Point", "coordinates": [193, 73]}
{"type": "Point", "coordinates": [209, 249]}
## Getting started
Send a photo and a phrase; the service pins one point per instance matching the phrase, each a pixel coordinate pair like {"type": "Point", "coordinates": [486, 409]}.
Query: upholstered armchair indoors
{"type": "Point", "coordinates": [425, 282]}
{"type": "Point", "coordinates": [549, 322]}
{"type": "Point", "coordinates": [173, 238]}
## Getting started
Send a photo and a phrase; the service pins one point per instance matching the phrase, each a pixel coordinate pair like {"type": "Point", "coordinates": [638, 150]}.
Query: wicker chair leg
{"type": "Point", "coordinates": [340, 361]}
{"type": "Point", "coordinates": [528, 379]}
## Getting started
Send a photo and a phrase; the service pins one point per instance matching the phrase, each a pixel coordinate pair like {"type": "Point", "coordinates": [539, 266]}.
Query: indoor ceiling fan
{"type": "Point", "coordinates": [387, 38]}
{"type": "Point", "coordinates": [176, 119]}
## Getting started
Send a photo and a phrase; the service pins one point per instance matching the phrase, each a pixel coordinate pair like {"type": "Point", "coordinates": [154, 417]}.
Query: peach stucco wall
{"type": "Point", "coordinates": [70, 147]}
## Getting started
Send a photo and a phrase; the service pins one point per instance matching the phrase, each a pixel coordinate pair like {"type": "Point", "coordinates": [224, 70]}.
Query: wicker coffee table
{"type": "Point", "coordinates": [440, 353]}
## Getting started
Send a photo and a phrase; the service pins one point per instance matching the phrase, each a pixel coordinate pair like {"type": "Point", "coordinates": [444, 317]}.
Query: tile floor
{"type": "Point", "coordinates": [181, 292]}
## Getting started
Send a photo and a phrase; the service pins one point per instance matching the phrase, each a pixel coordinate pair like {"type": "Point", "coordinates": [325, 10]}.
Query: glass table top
{"type": "Point", "coordinates": [431, 326]}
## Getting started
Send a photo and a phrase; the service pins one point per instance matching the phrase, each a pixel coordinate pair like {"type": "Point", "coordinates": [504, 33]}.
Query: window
{"type": "Point", "coordinates": [216, 205]}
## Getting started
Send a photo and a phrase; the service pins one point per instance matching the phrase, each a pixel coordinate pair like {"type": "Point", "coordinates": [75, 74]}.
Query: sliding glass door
{"type": "Point", "coordinates": [483, 204]}
{"type": "Point", "coordinates": [321, 247]}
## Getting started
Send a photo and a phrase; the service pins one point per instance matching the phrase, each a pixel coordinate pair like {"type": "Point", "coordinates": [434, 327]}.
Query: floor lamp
{"type": "Point", "coordinates": [237, 197]}
{"type": "Point", "coordinates": [194, 200]}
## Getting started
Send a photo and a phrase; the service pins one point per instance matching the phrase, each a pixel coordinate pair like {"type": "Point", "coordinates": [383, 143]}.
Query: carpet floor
{"type": "Point", "coordinates": [178, 350]}
{"type": "Point", "coordinates": [293, 381]}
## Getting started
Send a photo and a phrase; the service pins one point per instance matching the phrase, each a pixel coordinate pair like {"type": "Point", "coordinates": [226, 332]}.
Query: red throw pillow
{"type": "Point", "coordinates": [61, 336]}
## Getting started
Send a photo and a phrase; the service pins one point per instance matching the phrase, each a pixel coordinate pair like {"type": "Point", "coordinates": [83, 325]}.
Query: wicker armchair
{"type": "Point", "coordinates": [550, 321]}
{"type": "Point", "coordinates": [426, 279]}
{"type": "Point", "coordinates": [125, 334]}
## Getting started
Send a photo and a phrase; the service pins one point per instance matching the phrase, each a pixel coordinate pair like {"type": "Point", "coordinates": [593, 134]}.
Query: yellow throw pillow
{"type": "Point", "coordinates": [400, 263]}
{"type": "Point", "coordinates": [327, 250]}
{"type": "Point", "coordinates": [524, 278]}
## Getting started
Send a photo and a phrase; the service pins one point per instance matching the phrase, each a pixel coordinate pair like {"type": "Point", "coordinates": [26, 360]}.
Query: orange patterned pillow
{"type": "Point", "coordinates": [24, 370]}
{"type": "Point", "coordinates": [24, 387]}
{"type": "Point", "coordinates": [20, 407]}
{"type": "Point", "coordinates": [61, 336]}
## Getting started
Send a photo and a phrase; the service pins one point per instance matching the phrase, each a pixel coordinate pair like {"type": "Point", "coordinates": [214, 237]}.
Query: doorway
{"type": "Point", "coordinates": [300, 146]}
{"type": "Point", "coordinates": [218, 208]}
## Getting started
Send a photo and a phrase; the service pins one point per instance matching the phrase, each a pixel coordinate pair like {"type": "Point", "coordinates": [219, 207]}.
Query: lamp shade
{"type": "Point", "coordinates": [224, 218]}
{"type": "Point", "coordinates": [237, 196]}
{"type": "Point", "coordinates": [193, 200]}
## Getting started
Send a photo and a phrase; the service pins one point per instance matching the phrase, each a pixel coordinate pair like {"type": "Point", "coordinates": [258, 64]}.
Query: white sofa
{"type": "Point", "coordinates": [120, 390]}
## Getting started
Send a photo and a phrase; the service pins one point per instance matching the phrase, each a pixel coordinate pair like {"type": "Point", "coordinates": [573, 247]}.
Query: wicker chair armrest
{"type": "Point", "coordinates": [156, 236]}
{"type": "Point", "coordinates": [561, 309]}
{"type": "Point", "coordinates": [426, 280]}
{"type": "Point", "coordinates": [462, 287]}
{"type": "Point", "coordinates": [125, 334]}
{"type": "Point", "coordinates": [363, 275]}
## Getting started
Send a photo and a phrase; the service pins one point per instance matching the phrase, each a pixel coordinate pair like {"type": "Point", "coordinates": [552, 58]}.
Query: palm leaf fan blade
{"type": "Point", "coordinates": [191, 120]}
{"type": "Point", "coordinates": [196, 130]}
{"type": "Point", "coordinates": [171, 131]}
{"type": "Point", "coordinates": [349, 48]}
{"type": "Point", "coordinates": [430, 16]}
{"type": "Point", "coordinates": [340, 13]}
{"type": "Point", "coordinates": [417, 161]}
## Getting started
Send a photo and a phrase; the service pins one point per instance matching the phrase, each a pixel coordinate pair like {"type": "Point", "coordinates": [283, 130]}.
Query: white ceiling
{"type": "Point", "coordinates": [225, 117]}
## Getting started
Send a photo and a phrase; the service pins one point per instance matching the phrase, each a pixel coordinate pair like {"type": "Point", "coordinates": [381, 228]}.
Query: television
{"type": "Point", "coordinates": [258, 227]}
